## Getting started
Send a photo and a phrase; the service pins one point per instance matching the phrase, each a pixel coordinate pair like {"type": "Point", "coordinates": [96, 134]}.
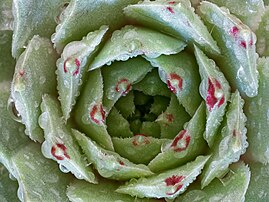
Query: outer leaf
{"type": "Point", "coordinates": [110, 164]}
{"type": "Point", "coordinates": [59, 143]}
{"type": "Point", "coordinates": [119, 78]}
{"type": "Point", "coordinates": [180, 73]}
{"type": "Point", "coordinates": [237, 43]}
{"type": "Point", "coordinates": [168, 184]}
{"type": "Point", "coordinates": [72, 65]}
{"type": "Point", "coordinates": [184, 147]}
{"type": "Point", "coordinates": [138, 149]}
{"type": "Point", "coordinates": [8, 187]}
{"type": "Point", "coordinates": [263, 34]}
{"type": "Point", "coordinates": [231, 144]}
{"type": "Point", "coordinates": [215, 90]}
{"type": "Point", "coordinates": [39, 178]}
{"type": "Point", "coordinates": [90, 114]}
{"type": "Point", "coordinates": [133, 41]}
{"type": "Point", "coordinates": [83, 16]}
{"type": "Point", "coordinates": [258, 187]}
{"type": "Point", "coordinates": [173, 17]}
{"type": "Point", "coordinates": [34, 75]}
{"type": "Point", "coordinates": [230, 188]}
{"type": "Point", "coordinates": [257, 111]}
{"type": "Point", "coordinates": [248, 11]}
{"type": "Point", "coordinates": [6, 17]}
{"type": "Point", "coordinates": [29, 22]}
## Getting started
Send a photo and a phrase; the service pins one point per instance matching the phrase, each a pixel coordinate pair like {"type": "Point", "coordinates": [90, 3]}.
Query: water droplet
{"type": "Point", "coordinates": [63, 168]}
{"type": "Point", "coordinates": [12, 177]}
{"type": "Point", "coordinates": [20, 193]}
{"type": "Point", "coordinates": [42, 80]}
{"type": "Point", "coordinates": [13, 111]}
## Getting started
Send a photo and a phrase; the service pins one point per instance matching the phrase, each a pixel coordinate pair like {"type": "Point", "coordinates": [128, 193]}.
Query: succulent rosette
{"type": "Point", "coordinates": [112, 100]}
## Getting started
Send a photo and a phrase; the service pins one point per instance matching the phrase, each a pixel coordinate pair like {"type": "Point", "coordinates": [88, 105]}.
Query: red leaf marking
{"type": "Point", "coordinates": [77, 63]}
{"type": "Point", "coordinates": [169, 117]}
{"type": "Point", "coordinates": [174, 180]}
{"type": "Point", "coordinates": [140, 139]}
{"type": "Point", "coordinates": [171, 2]}
{"type": "Point", "coordinates": [234, 31]}
{"type": "Point", "coordinates": [182, 136]}
{"type": "Point", "coordinates": [178, 79]}
{"type": "Point", "coordinates": [211, 99]}
{"type": "Point", "coordinates": [121, 163]}
{"type": "Point", "coordinates": [21, 73]}
{"type": "Point", "coordinates": [63, 148]}
{"type": "Point", "coordinates": [170, 9]}
{"type": "Point", "coordinates": [123, 86]}
{"type": "Point", "coordinates": [243, 44]}
{"type": "Point", "coordinates": [94, 111]}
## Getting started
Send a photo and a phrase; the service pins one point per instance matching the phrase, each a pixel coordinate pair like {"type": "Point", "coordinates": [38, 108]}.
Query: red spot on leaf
{"type": "Point", "coordinates": [174, 180]}
{"type": "Point", "coordinates": [182, 136]}
{"type": "Point", "coordinates": [77, 63]}
{"type": "Point", "coordinates": [123, 86]}
{"type": "Point", "coordinates": [174, 78]}
{"type": "Point", "coordinates": [140, 139]}
{"type": "Point", "coordinates": [243, 44]}
{"type": "Point", "coordinates": [97, 114]}
{"type": "Point", "coordinates": [170, 9]}
{"type": "Point", "coordinates": [171, 2]}
{"type": "Point", "coordinates": [121, 163]}
{"type": "Point", "coordinates": [234, 31]}
{"type": "Point", "coordinates": [211, 99]}
{"type": "Point", "coordinates": [63, 149]}
{"type": "Point", "coordinates": [169, 117]}
{"type": "Point", "coordinates": [21, 73]}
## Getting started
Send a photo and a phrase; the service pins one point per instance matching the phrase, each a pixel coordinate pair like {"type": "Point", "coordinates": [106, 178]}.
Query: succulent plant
{"type": "Point", "coordinates": [112, 100]}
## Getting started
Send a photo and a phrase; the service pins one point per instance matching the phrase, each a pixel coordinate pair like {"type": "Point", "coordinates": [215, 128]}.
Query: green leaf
{"type": "Point", "coordinates": [172, 119]}
{"type": "Point", "coordinates": [176, 18]}
{"type": "Point", "coordinates": [159, 105]}
{"type": "Point", "coordinates": [34, 75]}
{"type": "Point", "coordinates": [248, 11]}
{"type": "Point", "coordinates": [149, 128]}
{"type": "Point", "coordinates": [168, 184]}
{"type": "Point", "coordinates": [12, 137]}
{"type": "Point", "coordinates": [8, 187]}
{"type": "Point", "coordinates": [59, 143]}
{"type": "Point", "coordinates": [83, 16]}
{"type": "Point", "coordinates": [7, 63]}
{"type": "Point", "coordinates": [29, 22]}
{"type": "Point", "coordinates": [262, 34]}
{"type": "Point", "coordinates": [133, 41]}
{"type": "Point", "coordinates": [71, 67]}
{"type": "Point", "coordinates": [215, 90]}
{"type": "Point", "coordinates": [6, 17]}
{"type": "Point", "coordinates": [119, 78]}
{"type": "Point", "coordinates": [233, 187]}
{"type": "Point", "coordinates": [90, 114]}
{"type": "Point", "coordinates": [257, 111]}
{"type": "Point", "coordinates": [126, 105]}
{"type": "Point", "coordinates": [231, 143]}
{"type": "Point", "coordinates": [138, 149]}
{"type": "Point", "coordinates": [180, 73]}
{"type": "Point", "coordinates": [152, 85]}
{"type": "Point", "coordinates": [39, 178]}
{"type": "Point", "coordinates": [183, 147]}
{"type": "Point", "coordinates": [117, 125]}
{"type": "Point", "coordinates": [237, 43]}
{"type": "Point", "coordinates": [258, 186]}
{"type": "Point", "coordinates": [110, 164]}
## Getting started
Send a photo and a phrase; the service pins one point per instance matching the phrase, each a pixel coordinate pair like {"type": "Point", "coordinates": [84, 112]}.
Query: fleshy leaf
{"type": "Point", "coordinates": [83, 16]}
{"type": "Point", "coordinates": [152, 85]}
{"type": "Point", "coordinates": [126, 105]}
{"type": "Point", "coordinates": [8, 187]}
{"type": "Point", "coordinates": [215, 90]}
{"type": "Point", "coordinates": [119, 78]}
{"type": "Point", "coordinates": [172, 119]}
{"type": "Point", "coordinates": [176, 18]}
{"type": "Point", "coordinates": [258, 186]}
{"type": "Point", "coordinates": [117, 125]}
{"type": "Point", "coordinates": [168, 184]}
{"type": "Point", "coordinates": [231, 143]}
{"type": "Point", "coordinates": [12, 137]}
{"type": "Point", "coordinates": [248, 11]}
{"type": "Point", "coordinates": [29, 22]}
{"type": "Point", "coordinates": [59, 143]}
{"type": "Point", "coordinates": [159, 105]}
{"type": "Point", "coordinates": [138, 149]}
{"type": "Point", "coordinates": [233, 187]}
{"type": "Point", "coordinates": [263, 34]}
{"type": "Point", "coordinates": [237, 44]}
{"type": "Point", "coordinates": [90, 114]}
{"type": "Point", "coordinates": [110, 164]}
{"type": "Point", "coordinates": [183, 147]}
{"type": "Point", "coordinates": [150, 128]}
{"type": "Point", "coordinates": [34, 76]}
{"type": "Point", "coordinates": [257, 111]}
{"type": "Point", "coordinates": [133, 41]}
{"type": "Point", "coordinates": [71, 67]}
{"type": "Point", "coordinates": [39, 178]}
{"type": "Point", "coordinates": [180, 73]}
{"type": "Point", "coordinates": [6, 17]}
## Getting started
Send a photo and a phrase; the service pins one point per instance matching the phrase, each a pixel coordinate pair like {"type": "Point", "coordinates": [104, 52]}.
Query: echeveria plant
{"type": "Point", "coordinates": [128, 100]}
